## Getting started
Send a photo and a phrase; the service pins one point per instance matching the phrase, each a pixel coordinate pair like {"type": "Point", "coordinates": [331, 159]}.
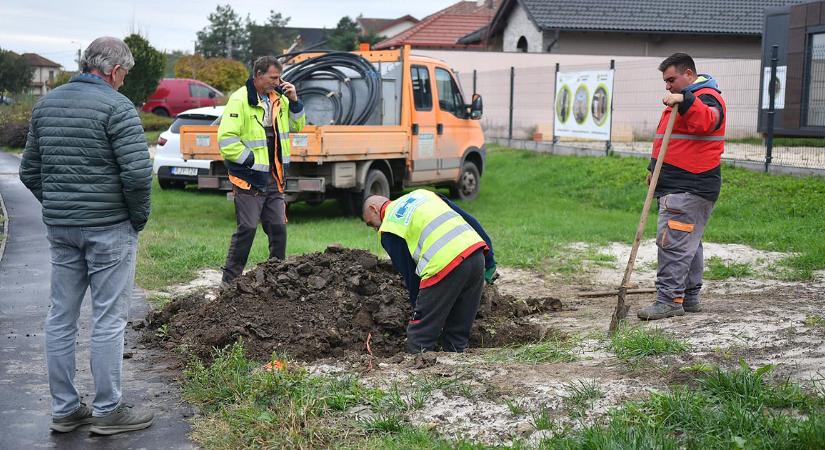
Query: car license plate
{"type": "Point", "coordinates": [187, 171]}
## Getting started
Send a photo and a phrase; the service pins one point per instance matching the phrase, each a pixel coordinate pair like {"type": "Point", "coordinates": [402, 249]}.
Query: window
{"type": "Point", "coordinates": [198, 90]}
{"type": "Point", "coordinates": [522, 44]}
{"type": "Point", "coordinates": [449, 96]}
{"type": "Point", "coordinates": [422, 92]}
{"type": "Point", "coordinates": [191, 120]}
{"type": "Point", "coordinates": [816, 81]}
{"type": "Point", "coordinates": [51, 75]}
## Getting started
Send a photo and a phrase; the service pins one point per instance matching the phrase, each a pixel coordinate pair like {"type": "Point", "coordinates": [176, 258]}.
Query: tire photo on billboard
{"type": "Point", "coordinates": [581, 104]}
{"type": "Point", "coordinates": [600, 105]}
{"type": "Point", "coordinates": [563, 101]}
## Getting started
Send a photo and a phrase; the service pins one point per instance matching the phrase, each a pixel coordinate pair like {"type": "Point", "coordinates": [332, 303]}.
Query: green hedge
{"type": "Point", "coordinates": [14, 124]}
{"type": "Point", "coordinates": [153, 122]}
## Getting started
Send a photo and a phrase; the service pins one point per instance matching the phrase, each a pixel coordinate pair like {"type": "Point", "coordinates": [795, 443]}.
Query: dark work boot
{"type": "Point", "coordinates": [659, 310]}
{"type": "Point", "coordinates": [692, 306]}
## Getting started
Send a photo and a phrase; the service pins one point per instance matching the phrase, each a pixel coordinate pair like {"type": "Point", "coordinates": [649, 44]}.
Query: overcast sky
{"type": "Point", "coordinates": [55, 29]}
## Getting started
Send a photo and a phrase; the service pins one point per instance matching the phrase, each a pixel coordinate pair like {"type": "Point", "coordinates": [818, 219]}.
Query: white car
{"type": "Point", "coordinates": [170, 167]}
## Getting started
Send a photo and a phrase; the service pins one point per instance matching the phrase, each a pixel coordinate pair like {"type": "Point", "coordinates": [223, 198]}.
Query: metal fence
{"type": "Point", "coordinates": [637, 93]}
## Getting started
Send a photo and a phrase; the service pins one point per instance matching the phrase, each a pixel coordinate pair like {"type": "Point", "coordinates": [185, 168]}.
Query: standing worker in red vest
{"type": "Point", "coordinates": [444, 255]}
{"type": "Point", "coordinates": [688, 185]}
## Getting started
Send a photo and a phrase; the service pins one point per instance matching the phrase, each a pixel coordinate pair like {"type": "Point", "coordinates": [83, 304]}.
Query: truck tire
{"type": "Point", "coordinates": [376, 184]}
{"type": "Point", "coordinates": [469, 182]}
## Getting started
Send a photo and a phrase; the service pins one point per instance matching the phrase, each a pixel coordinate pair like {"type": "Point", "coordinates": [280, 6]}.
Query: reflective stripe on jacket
{"type": "Point", "coordinates": [434, 233]}
{"type": "Point", "coordinates": [696, 145]}
{"type": "Point", "coordinates": [242, 133]}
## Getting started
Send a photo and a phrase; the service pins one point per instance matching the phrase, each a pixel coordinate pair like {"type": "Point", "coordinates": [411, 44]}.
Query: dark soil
{"type": "Point", "coordinates": [325, 304]}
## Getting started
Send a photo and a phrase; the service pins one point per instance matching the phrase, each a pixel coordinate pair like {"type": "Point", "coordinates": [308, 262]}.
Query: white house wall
{"type": "Point", "coordinates": [396, 29]}
{"type": "Point", "coordinates": [518, 25]}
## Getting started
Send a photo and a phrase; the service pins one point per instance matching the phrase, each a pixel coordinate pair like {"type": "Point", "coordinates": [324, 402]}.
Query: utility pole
{"type": "Point", "coordinates": [79, 46]}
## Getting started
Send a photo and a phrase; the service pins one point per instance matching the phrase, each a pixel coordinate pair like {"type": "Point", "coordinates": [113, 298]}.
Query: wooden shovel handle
{"type": "Point", "coordinates": [654, 179]}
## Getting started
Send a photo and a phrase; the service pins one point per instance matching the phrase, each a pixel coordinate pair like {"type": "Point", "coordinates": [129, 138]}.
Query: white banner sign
{"type": "Point", "coordinates": [781, 75]}
{"type": "Point", "coordinates": [583, 104]}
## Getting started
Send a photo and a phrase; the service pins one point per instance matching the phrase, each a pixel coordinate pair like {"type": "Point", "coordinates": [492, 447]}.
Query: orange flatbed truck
{"type": "Point", "coordinates": [422, 133]}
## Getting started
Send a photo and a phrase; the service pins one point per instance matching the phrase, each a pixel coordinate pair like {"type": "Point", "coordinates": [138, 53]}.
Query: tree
{"type": "Point", "coordinates": [143, 79]}
{"type": "Point", "coordinates": [15, 73]}
{"type": "Point", "coordinates": [171, 60]}
{"type": "Point", "coordinates": [270, 38]}
{"type": "Point", "coordinates": [224, 36]}
{"type": "Point", "coordinates": [62, 78]}
{"type": "Point", "coordinates": [345, 35]}
{"type": "Point", "coordinates": [371, 38]}
{"type": "Point", "coordinates": [223, 74]}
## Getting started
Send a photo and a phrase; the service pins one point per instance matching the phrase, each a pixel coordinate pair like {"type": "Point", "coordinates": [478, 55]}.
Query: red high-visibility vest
{"type": "Point", "coordinates": [694, 145]}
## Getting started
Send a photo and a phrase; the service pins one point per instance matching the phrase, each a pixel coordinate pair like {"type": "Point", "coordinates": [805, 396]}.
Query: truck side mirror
{"type": "Point", "coordinates": [476, 107]}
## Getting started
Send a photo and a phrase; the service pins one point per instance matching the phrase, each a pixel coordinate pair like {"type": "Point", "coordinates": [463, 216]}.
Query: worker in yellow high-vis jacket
{"type": "Point", "coordinates": [254, 140]}
{"type": "Point", "coordinates": [444, 255]}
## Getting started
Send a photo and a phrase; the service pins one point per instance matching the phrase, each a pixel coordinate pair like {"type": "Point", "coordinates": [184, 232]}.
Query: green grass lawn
{"type": "Point", "coordinates": [242, 406]}
{"type": "Point", "coordinates": [532, 205]}
{"type": "Point", "coordinates": [152, 137]}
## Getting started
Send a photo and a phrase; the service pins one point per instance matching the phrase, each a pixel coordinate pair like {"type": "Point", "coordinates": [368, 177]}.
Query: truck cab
{"type": "Point", "coordinates": [418, 131]}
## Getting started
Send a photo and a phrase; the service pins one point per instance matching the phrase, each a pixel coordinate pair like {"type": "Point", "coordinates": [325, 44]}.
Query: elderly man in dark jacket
{"type": "Point", "coordinates": [87, 162]}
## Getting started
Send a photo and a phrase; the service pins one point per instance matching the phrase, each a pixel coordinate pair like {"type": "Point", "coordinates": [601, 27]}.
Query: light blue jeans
{"type": "Point", "coordinates": [102, 259]}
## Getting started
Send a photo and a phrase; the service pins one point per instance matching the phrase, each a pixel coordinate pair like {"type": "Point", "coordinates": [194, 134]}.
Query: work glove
{"type": "Point", "coordinates": [490, 275]}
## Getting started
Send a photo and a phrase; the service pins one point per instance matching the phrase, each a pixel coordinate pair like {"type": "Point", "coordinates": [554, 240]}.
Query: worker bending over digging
{"type": "Point", "coordinates": [444, 255]}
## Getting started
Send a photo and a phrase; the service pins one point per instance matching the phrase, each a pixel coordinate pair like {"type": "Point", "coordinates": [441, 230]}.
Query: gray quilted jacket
{"type": "Point", "coordinates": [86, 158]}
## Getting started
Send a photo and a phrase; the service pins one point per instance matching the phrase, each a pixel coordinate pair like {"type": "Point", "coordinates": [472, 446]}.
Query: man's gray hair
{"type": "Point", "coordinates": [263, 64]}
{"type": "Point", "coordinates": [104, 53]}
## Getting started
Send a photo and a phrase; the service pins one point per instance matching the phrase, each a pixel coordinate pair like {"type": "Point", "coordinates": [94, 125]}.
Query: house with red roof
{"type": "Point", "coordinates": [443, 29]}
{"type": "Point", "coordinates": [385, 27]}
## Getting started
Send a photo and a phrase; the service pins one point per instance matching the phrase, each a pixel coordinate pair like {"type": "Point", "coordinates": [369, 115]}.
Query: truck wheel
{"type": "Point", "coordinates": [469, 182]}
{"type": "Point", "coordinates": [377, 184]}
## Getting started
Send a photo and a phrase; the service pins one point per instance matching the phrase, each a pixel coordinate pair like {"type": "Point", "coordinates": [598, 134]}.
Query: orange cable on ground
{"type": "Point", "coordinates": [369, 351]}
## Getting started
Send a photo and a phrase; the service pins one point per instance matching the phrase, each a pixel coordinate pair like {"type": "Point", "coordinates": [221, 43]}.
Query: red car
{"type": "Point", "coordinates": [175, 95]}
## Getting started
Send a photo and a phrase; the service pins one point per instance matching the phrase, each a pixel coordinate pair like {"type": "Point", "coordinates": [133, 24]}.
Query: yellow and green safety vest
{"type": "Point", "coordinates": [241, 130]}
{"type": "Point", "coordinates": [435, 234]}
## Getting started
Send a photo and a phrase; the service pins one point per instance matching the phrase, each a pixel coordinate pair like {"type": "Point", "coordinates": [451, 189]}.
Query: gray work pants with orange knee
{"type": "Point", "coordinates": [682, 221]}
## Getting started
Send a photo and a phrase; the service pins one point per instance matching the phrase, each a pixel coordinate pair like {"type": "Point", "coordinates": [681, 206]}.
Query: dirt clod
{"type": "Point", "coordinates": [325, 304]}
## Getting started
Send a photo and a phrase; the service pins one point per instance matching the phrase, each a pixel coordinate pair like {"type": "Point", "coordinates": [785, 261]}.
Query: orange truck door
{"type": "Point", "coordinates": [424, 135]}
{"type": "Point", "coordinates": [453, 128]}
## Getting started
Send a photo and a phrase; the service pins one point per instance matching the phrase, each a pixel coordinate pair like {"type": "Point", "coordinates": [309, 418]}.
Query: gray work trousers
{"type": "Point", "coordinates": [251, 207]}
{"type": "Point", "coordinates": [102, 259]}
{"type": "Point", "coordinates": [682, 221]}
{"type": "Point", "coordinates": [447, 309]}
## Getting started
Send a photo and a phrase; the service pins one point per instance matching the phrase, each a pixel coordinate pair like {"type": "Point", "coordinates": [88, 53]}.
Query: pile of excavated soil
{"type": "Point", "coordinates": [325, 304]}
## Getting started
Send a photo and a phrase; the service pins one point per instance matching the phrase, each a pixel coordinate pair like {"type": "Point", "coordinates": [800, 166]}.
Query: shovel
{"type": "Point", "coordinates": [620, 312]}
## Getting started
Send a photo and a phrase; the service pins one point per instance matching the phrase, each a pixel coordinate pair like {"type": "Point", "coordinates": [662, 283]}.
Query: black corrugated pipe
{"type": "Point", "coordinates": [328, 66]}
